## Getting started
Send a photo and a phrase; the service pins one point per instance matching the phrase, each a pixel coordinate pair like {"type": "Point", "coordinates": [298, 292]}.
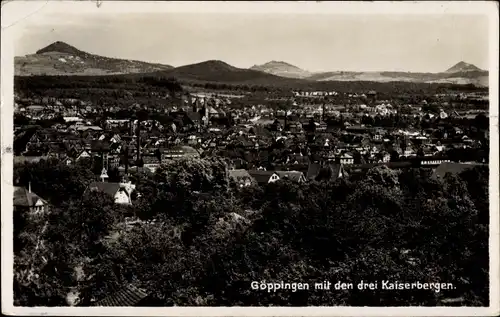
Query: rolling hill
{"type": "Point", "coordinates": [60, 58]}
{"type": "Point", "coordinates": [462, 67]}
{"type": "Point", "coordinates": [282, 69]}
{"type": "Point", "coordinates": [461, 73]}
{"type": "Point", "coordinates": [478, 78]}
{"type": "Point", "coordinates": [221, 72]}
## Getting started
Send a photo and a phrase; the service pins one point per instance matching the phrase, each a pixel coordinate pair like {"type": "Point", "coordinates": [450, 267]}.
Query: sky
{"type": "Point", "coordinates": [314, 42]}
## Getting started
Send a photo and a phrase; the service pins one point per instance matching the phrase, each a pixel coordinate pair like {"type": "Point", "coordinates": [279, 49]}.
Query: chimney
{"type": "Point", "coordinates": [29, 186]}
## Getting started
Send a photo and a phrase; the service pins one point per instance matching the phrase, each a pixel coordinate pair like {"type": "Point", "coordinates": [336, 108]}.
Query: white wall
{"type": "Point", "coordinates": [121, 197]}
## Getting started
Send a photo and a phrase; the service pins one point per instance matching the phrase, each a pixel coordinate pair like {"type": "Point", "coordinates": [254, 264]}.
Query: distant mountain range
{"type": "Point", "coordinates": [60, 58]}
{"type": "Point", "coordinates": [462, 73]}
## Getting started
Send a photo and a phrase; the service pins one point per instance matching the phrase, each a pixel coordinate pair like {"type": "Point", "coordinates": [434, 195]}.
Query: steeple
{"type": "Point", "coordinates": [104, 175]}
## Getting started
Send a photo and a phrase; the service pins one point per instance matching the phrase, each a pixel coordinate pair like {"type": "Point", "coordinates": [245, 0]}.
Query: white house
{"type": "Point", "coordinates": [409, 152]}
{"type": "Point", "coordinates": [262, 177]}
{"type": "Point", "coordinates": [121, 192]}
{"type": "Point", "coordinates": [72, 119]}
{"type": "Point", "coordinates": [346, 159]}
{"type": "Point", "coordinates": [386, 158]}
{"type": "Point", "coordinates": [83, 155]}
{"type": "Point", "coordinates": [274, 178]}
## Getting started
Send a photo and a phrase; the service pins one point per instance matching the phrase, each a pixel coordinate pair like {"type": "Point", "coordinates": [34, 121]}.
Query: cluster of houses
{"type": "Point", "coordinates": [26, 200]}
{"type": "Point", "coordinates": [262, 145]}
{"type": "Point", "coordinates": [314, 93]}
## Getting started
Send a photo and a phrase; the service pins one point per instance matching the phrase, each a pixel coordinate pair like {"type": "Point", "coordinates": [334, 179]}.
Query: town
{"type": "Point", "coordinates": [294, 136]}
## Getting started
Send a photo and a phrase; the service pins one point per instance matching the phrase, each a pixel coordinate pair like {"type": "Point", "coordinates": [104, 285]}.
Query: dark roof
{"type": "Point", "coordinates": [358, 128]}
{"type": "Point", "coordinates": [99, 146]}
{"type": "Point", "coordinates": [23, 198]}
{"type": "Point", "coordinates": [194, 116]}
{"type": "Point", "coordinates": [324, 172]}
{"type": "Point", "coordinates": [56, 147]}
{"type": "Point", "coordinates": [295, 167]}
{"type": "Point", "coordinates": [453, 168]}
{"type": "Point", "coordinates": [261, 176]}
{"type": "Point", "coordinates": [291, 175]}
{"type": "Point", "coordinates": [239, 174]}
{"type": "Point", "coordinates": [105, 187]}
{"type": "Point", "coordinates": [402, 164]}
{"type": "Point", "coordinates": [313, 170]}
{"type": "Point", "coordinates": [299, 158]}
{"type": "Point", "coordinates": [127, 296]}
{"type": "Point", "coordinates": [315, 157]}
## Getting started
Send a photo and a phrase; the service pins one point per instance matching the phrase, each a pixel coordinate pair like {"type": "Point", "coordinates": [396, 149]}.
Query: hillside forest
{"type": "Point", "coordinates": [197, 239]}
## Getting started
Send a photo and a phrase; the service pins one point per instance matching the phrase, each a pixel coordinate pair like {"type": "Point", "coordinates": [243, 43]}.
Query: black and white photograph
{"type": "Point", "coordinates": [289, 155]}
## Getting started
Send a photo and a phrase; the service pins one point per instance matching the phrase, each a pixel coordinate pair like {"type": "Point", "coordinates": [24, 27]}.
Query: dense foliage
{"type": "Point", "coordinates": [202, 241]}
{"type": "Point", "coordinates": [82, 86]}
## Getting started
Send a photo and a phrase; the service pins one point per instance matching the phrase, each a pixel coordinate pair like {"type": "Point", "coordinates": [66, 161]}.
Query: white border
{"type": "Point", "coordinates": [24, 11]}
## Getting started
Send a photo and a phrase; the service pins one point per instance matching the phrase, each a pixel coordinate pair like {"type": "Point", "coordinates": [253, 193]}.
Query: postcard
{"type": "Point", "coordinates": [250, 158]}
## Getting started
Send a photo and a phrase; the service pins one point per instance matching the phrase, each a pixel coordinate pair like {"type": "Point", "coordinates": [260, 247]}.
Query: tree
{"type": "Point", "coordinates": [420, 152]}
{"type": "Point", "coordinates": [394, 156]}
{"type": "Point", "coordinates": [54, 181]}
{"type": "Point", "coordinates": [72, 238]}
{"type": "Point", "coordinates": [481, 122]}
{"type": "Point", "coordinates": [21, 120]}
{"type": "Point", "coordinates": [430, 108]}
{"type": "Point", "coordinates": [357, 157]}
{"type": "Point", "coordinates": [204, 242]}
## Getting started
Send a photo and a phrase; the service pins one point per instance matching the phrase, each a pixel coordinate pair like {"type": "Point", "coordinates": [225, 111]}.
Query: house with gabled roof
{"type": "Point", "coordinates": [325, 172]}
{"type": "Point", "coordinates": [346, 158]}
{"type": "Point", "coordinates": [242, 178]}
{"type": "Point", "coordinates": [83, 155]}
{"type": "Point", "coordinates": [24, 199]}
{"type": "Point", "coordinates": [263, 177]}
{"type": "Point", "coordinates": [297, 159]}
{"type": "Point", "coordinates": [120, 192]}
{"type": "Point", "coordinates": [151, 161]}
{"type": "Point", "coordinates": [294, 176]}
{"type": "Point", "coordinates": [179, 152]}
